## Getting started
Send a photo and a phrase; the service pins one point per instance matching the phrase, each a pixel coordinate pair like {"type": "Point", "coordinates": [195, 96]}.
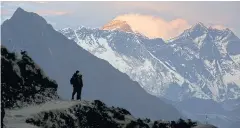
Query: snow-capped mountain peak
{"type": "Point", "coordinates": [199, 27]}
{"type": "Point", "coordinates": [117, 25]}
{"type": "Point", "coordinates": [121, 25]}
{"type": "Point", "coordinates": [199, 32]}
{"type": "Point", "coordinates": [196, 30]}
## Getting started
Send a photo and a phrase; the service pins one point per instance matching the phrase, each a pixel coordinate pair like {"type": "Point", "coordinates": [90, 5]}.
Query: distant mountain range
{"type": "Point", "coordinates": [200, 67]}
{"type": "Point", "coordinates": [201, 62]}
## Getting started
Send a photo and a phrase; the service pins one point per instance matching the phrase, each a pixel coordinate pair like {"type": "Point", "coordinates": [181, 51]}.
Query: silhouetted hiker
{"type": "Point", "coordinates": [77, 83]}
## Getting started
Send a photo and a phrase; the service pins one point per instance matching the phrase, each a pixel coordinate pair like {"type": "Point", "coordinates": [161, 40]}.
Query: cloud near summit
{"type": "Point", "coordinates": [154, 27]}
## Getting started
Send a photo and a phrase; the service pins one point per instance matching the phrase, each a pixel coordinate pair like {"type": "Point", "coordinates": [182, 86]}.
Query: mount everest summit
{"type": "Point", "coordinates": [201, 62]}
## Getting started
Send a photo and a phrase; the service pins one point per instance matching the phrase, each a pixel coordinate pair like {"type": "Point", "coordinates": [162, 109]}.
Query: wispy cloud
{"type": "Point", "coordinates": [220, 27]}
{"type": "Point", "coordinates": [154, 27]}
{"type": "Point", "coordinates": [40, 2]}
{"type": "Point", "coordinates": [4, 12]}
{"type": "Point", "coordinates": [52, 12]}
{"type": "Point", "coordinates": [144, 5]}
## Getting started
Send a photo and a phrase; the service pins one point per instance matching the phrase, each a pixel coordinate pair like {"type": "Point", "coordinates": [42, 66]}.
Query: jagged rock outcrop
{"type": "Point", "coordinates": [23, 82]}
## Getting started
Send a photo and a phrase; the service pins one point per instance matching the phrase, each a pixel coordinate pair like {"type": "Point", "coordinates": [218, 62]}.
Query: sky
{"type": "Point", "coordinates": [170, 18]}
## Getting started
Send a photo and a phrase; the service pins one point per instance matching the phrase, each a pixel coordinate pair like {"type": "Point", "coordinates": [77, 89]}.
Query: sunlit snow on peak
{"type": "Point", "coordinates": [150, 26]}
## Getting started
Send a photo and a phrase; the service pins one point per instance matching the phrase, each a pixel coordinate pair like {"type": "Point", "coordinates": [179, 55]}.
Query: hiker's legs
{"type": "Point", "coordinates": [79, 92]}
{"type": "Point", "coordinates": [2, 115]}
{"type": "Point", "coordinates": [74, 92]}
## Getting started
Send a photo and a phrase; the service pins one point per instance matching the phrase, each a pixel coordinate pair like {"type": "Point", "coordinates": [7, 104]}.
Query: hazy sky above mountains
{"type": "Point", "coordinates": [171, 17]}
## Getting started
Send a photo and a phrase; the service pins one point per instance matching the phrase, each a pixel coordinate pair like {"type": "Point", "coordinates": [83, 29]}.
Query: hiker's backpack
{"type": "Point", "coordinates": [72, 80]}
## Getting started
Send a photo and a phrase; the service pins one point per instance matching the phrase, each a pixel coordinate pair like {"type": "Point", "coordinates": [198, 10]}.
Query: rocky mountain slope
{"type": "Point", "coordinates": [78, 114]}
{"type": "Point", "coordinates": [202, 62]}
{"type": "Point", "coordinates": [60, 57]}
{"type": "Point", "coordinates": [23, 82]}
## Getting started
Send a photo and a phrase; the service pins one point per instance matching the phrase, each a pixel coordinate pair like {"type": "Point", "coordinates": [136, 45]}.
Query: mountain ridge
{"type": "Point", "coordinates": [224, 51]}
{"type": "Point", "coordinates": [201, 29]}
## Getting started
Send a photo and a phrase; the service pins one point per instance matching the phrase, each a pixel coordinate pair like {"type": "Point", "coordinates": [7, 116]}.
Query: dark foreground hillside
{"type": "Point", "coordinates": [86, 114]}
{"type": "Point", "coordinates": [23, 82]}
